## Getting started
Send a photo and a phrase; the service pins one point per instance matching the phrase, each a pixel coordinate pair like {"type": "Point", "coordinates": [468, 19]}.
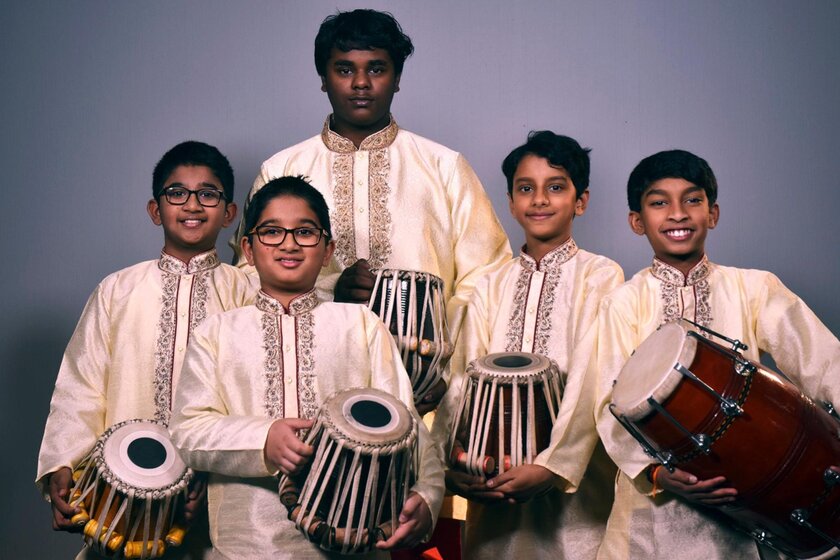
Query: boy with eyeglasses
{"type": "Point", "coordinates": [124, 358]}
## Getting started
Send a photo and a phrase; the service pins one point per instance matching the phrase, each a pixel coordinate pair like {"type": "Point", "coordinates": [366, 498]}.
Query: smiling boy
{"type": "Point", "coordinates": [125, 356]}
{"type": "Point", "coordinates": [544, 301]}
{"type": "Point", "coordinates": [673, 202]}
{"type": "Point", "coordinates": [397, 200]}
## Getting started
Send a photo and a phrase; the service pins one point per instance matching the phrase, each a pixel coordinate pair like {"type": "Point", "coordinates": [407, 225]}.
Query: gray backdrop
{"type": "Point", "coordinates": [93, 93]}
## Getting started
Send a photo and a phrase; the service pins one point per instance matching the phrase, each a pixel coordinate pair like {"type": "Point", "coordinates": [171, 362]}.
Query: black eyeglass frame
{"type": "Point", "coordinates": [322, 234]}
{"type": "Point", "coordinates": [165, 193]}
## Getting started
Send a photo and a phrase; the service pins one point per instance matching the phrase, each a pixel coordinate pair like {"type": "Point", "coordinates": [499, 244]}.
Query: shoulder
{"type": "Point", "coordinates": [429, 150]}
{"type": "Point", "coordinates": [126, 279]}
{"type": "Point", "coordinates": [594, 263]}
{"type": "Point", "coordinates": [279, 160]}
{"type": "Point", "coordinates": [630, 293]}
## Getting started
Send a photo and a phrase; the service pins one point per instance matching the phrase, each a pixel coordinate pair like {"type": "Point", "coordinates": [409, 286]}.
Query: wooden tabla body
{"type": "Point", "coordinates": [695, 404]}
{"type": "Point", "coordinates": [365, 462]}
{"type": "Point", "coordinates": [411, 305]}
{"type": "Point", "coordinates": [129, 489]}
{"type": "Point", "coordinates": [508, 405]}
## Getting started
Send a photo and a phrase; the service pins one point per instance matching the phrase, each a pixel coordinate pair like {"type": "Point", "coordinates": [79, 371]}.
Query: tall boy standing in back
{"type": "Point", "coordinates": [397, 200]}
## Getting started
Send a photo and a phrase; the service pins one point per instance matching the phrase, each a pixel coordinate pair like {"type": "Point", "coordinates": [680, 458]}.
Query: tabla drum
{"type": "Point", "coordinates": [508, 405]}
{"type": "Point", "coordinates": [365, 461]}
{"type": "Point", "coordinates": [129, 489]}
{"type": "Point", "coordinates": [411, 305]}
{"type": "Point", "coordinates": [695, 404]}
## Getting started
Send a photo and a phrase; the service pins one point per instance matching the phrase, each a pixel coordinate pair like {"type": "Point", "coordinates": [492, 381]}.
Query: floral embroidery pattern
{"type": "Point", "coordinates": [551, 264]}
{"type": "Point", "coordinates": [379, 167]}
{"type": "Point", "coordinates": [273, 363]}
{"type": "Point", "coordinates": [172, 268]}
{"type": "Point", "coordinates": [305, 328]}
{"type": "Point", "coordinates": [672, 280]}
{"type": "Point", "coordinates": [165, 347]}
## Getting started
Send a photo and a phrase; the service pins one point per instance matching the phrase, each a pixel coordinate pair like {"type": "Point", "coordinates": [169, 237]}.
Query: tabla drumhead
{"type": "Point", "coordinates": [510, 366]}
{"type": "Point", "coordinates": [650, 373]}
{"type": "Point", "coordinates": [369, 416]}
{"type": "Point", "coordinates": [141, 455]}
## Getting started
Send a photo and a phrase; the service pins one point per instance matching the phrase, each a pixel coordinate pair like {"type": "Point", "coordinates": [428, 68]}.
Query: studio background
{"type": "Point", "coordinates": [93, 93]}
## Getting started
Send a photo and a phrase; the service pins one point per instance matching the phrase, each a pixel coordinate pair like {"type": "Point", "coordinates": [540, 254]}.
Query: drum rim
{"type": "Point", "coordinates": [539, 368]}
{"type": "Point", "coordinates": [402, 434]}
{"type": "Point", "coordinates": [406, 274]}
{"type": "Point", "coordinates": [635, 406]}
{"type": "Point", "coordinates": [160, 481]}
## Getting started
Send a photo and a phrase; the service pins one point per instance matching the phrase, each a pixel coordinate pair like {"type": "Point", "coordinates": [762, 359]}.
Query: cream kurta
{"type": "Point", "coordinates": [249, 367]}
{"type": "Point", "coordinates": [752, 306]}
{"type": "Point", "coordinates": [400, 201]}
{"type": "Point", "coordinates": [548, 308]}
{"type": "Point", "coordinates": [126, 353]}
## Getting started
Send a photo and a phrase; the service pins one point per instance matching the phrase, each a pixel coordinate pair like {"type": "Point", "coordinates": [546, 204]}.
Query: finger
{"type": "Point", "coordinates": [501, 479]}
{"type": "Point", "coordinates": [299, 423]}
{"type": "Point", "coordinates": [63, 506]}
{"type": "Point", "coordinates": [402, 533]}
{"type": "Point", "coordinates": [486, 496]}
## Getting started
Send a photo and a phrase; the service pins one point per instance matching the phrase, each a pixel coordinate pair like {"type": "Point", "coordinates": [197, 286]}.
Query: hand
{"type": "Point", "coordinates": [711, 492]}
{"type": "Point", "coordinates": [196, 497]}
{"type": "Point", "coordinates": [284, 449]}
{"type": "Point", "coordinates": [355, 285]}
{"type": "Point", "coordinates": [415, 522]}
{"type": "Point", "coordinates": [522, 483]}
{"type": "Point", "coordinates": [60, 483]}
{"type": "Point", "coordinates": [471, 487]}
{"type": "Point", "coordinates": [431, 399]}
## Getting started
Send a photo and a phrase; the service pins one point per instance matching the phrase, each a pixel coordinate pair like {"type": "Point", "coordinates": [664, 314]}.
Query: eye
{"type": "Point", "coordinates": [209, 195]}
{"type": "Point", "coordinates": [556, 188]}
{"type": "Point", "coordinates": [694, 200]}
{"type": "Point", "coordinates": [343, 71]}
{"type": "Point", "coordinates": [524, 188]}
{"type": "Point", "coordinates": [376, 70]}
{"type": "Point", "coordinates": [176, 193]}
{"type": "Point", "coordinates": [270, 231]}
{"type": "Point", "coordinates": [305, 233]}
{"type": "Point", "coordinates": [657, 203]}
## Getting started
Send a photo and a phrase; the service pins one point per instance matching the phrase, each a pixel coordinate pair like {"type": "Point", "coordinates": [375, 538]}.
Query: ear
{"type": "Point", "coordinates": [323, 83]}
{"type": "Point", "coordinates": [397, 83]}
{"type": "Point", "coordinates": [153, 208]}
{"type": "Point", "coordinates": [247, 249]}
{"type": "Point", "coordinates": [581, 203]}
{"type": "Point", "coordinates": [636, 223]}
{"type": "Point", "coordinates": [328, 253]}
{"type": "Point", "coordinates": [230, 214]}
{"type": "Point", "coordinates": [714, 215]}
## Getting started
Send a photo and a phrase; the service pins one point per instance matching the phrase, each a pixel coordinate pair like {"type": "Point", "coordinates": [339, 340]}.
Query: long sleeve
{"type": "Point", "coordinates": [210, 438]}
{"type": "Point", "coordinates": [77, 409]}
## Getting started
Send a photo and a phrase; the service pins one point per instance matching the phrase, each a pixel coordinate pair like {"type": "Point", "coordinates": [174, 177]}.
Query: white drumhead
{"type": "Point", "coordinates": [650, 370]}
{"type": "Point", "coordinates": [141, 455]}
{"type": "Point", "coordinates": [366, 415]}
{"type": "Point", "coordinates": [511, 367]}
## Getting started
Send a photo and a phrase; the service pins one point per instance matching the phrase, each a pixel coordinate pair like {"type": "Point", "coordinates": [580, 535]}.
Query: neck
{"type": "Point", "coordinates": [357, 134]}
{"type": "Point", "coordinates": [684, 265]}
{"type": "Point", "coordinates": [537, 249]}
{"type": "Point", "coordinates": [284, 297]}
{"type": "Point", "coordinates": [182, 254]}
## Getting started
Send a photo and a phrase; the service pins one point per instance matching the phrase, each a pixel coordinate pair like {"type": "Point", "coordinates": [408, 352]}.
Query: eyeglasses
{"type": "Point", "coordinates": [179, 196]}
{"type": "Point", "coordinates": [274, 236]}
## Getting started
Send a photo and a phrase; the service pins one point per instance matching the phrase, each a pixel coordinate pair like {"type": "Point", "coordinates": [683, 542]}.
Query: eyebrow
{"type": "Point", "coordinates": [200, 185]}
{"type": "Point", "coordinates": [562, 178]}
{"type": "Point", "coordinates": [275, 221]}
{"type": "Point", "coordinates": [661, 192]}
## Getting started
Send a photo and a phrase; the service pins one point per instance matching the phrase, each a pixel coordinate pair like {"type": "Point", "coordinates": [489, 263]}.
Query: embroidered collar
{"type": "Point", "coordinates": [668, 273]}
{"type": "Point", "coordinates": [199, 263]}
{"type": "Point", "coordinates": [376, 141]}
{"type": "Point", "coordinates": [300, 305]}
{"type": "Point", "coordinates": [552, 259]}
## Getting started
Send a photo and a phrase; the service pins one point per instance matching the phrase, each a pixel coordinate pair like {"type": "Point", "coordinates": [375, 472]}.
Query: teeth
{"type": "Point", "coordinates": [678, 233]}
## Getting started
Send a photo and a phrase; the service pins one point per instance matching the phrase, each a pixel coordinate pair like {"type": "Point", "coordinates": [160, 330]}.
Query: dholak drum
{"type": "Point", "coordinates": [411, 306]}
{"type": "Point", "coordinates": [128, 490]}
{"type": "Point", "coordinates": [365, 461]}
{"type": "Point", "coordinates": [700, 406]}
{"type": "Point", "coordinates": [507, 408]}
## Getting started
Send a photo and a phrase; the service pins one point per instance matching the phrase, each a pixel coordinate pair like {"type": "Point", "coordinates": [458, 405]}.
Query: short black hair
{"type": "Point", "coordinates": [670, 164]}
{"type": "Point", "coordinates": [560, 151]}
{"type": "Point", "coordinates": [193, 153]}
{"type": "Point", "coordinates": [361, 30]}
{"type": "Point", "coordinates": [289, 185]}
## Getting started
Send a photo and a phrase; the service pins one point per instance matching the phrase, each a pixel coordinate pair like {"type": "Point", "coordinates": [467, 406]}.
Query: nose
{"type": "Point", "coordinates": [361, 80]}
{"type": "Point", "coordinates": [539, 198]}
{"type": "Point", "coordinates": [677, 212]}
{"type": "Point", "coordinates": [289, 243]}
{"type": "Point", "coordinates": [192, 204]}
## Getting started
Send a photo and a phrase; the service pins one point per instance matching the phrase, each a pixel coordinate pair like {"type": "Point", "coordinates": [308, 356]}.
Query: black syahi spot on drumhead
{"type": "Point", "coordinates": [370, 413]}
{"type": "Point", "coordinates": [512, 361]}
{"type": "Point", "coordinates": [146, 453]}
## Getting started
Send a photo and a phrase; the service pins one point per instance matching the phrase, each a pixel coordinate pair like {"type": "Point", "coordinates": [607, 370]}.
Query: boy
{"type": "Point", "coordinates": [398, 200]}
{"type": "Point", "coordinates": [125, 355]}
{"type": "Point", "coordinates": [672, 198]}
{"type": "Point", "coordinates": [256, 375]}
{"type": "Point", "coordinates": [545, 301]}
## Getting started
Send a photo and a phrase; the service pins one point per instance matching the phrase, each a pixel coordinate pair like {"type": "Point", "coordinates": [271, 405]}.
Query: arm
{"type": "Point", "coordinates": [480, 244]}
{"type": "Point", "coordinates": [209, 436]}
{"type": "Point", "coordinates": [77, 409]}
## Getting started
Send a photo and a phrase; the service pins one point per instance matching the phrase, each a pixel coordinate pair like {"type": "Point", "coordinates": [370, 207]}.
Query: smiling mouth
{"type": "Point", "coordinates": [539, 216]}
{"type": "Point", "coordinates": [361, 101]}
{"type": "Point", "coordinates": [192, 222]}
{"type": "Point", "coordinates": [678, 234]}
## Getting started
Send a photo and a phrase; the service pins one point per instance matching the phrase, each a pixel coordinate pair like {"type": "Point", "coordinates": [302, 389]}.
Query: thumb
{"type": "Point", "coordinates": [499, 480]}
{"type": "Point", "coordinates": [411, 505]}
